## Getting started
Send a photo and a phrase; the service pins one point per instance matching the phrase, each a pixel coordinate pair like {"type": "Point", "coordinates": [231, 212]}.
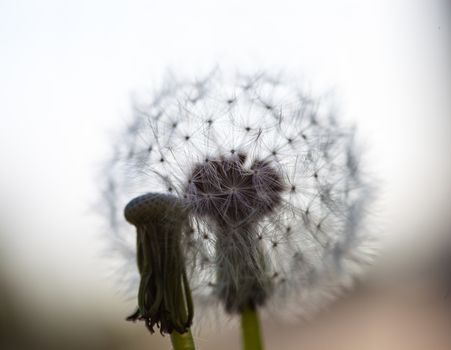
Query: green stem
{"type": "Point", "coordinates": [182, 341]}
{"type": "Point", "coordinates": [250, 328]}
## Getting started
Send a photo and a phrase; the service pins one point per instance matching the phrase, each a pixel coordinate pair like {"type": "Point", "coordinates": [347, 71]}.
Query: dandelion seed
{"type": "Point", "coordinates": [272, 184]}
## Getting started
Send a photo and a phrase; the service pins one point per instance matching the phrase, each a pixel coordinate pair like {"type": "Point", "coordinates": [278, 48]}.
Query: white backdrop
{"type": "Point", "coordinates": [69, 68]}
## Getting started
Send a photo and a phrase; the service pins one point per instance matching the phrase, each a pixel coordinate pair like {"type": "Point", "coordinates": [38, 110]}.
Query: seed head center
{"type": "Point", "coordinates": [229, 192]}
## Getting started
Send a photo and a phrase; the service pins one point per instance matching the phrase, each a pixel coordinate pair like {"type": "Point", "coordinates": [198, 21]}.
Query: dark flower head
{"type": "Point", "coordinates": [228, 192]}
{"type": "Point", "coordinates": [164, 298]}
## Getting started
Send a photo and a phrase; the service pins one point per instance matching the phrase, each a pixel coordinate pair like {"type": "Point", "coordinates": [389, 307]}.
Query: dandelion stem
{"type": "Point", "coordinates": [250, 327]}
{"type": "Point", "coordinates": [182, 341]}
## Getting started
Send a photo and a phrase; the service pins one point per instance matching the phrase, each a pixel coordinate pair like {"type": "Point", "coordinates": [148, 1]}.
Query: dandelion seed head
{"type": "Point", "coordinates": [271, 180]}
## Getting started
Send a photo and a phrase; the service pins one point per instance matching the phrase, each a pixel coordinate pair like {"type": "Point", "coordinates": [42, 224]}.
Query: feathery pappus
{"type": "Point", "coordinates": [274, 198]}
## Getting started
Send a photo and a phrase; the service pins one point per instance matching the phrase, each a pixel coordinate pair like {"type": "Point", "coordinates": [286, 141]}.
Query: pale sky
{"type": "Point", "coordinates": [68, 70]}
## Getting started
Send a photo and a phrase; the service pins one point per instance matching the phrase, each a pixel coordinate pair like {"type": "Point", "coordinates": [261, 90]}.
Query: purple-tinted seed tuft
{"type": "Point", "coordinates": [226, 191]}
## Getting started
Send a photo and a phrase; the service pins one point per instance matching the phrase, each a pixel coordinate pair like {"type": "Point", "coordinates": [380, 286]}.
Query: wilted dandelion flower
{"type": "Point", "coordinates": [164, 298]}
{"type": "Point", "coordinates": [270, 179]}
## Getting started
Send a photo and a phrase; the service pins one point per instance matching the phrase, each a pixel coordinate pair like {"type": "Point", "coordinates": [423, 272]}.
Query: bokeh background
{"type": "Point", "coordinates": [68, 71]}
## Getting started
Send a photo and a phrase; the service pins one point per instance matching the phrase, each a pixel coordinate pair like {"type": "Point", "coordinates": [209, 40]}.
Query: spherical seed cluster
{"type": "Point", "coordinates": [272, 181]}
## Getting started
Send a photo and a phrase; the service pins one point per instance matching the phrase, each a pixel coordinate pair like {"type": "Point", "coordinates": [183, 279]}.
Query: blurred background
{"type": "Point", "coordinates": [68, 72]}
